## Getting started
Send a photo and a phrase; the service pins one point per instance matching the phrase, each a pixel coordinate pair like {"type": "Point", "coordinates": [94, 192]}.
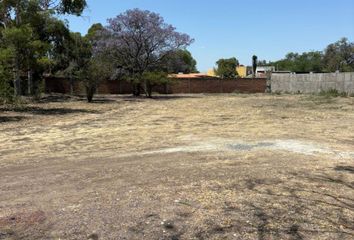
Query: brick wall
{"type": "Point", "coordinates": [209, 85]}
{"type": "Point", "coordinates": [217, 85]}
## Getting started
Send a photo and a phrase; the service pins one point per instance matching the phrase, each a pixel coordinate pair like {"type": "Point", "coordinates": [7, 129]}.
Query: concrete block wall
{"type": "Point", "coordinates": [313, 82]}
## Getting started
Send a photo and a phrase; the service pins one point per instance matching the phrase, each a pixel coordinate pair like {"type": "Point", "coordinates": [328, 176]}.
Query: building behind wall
{"type": "Point", "coordinates": [241, 71]}
{"type": "Point", "coordinates": [261, 71]}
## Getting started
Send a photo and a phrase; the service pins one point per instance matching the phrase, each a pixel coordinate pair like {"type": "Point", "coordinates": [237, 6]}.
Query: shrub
{"type": "Point", "coordinates": [152, 79]}
{"type": "Point", "coordinates": [6, 91]}
{"type": "Point", "coordinates": [333, 93]}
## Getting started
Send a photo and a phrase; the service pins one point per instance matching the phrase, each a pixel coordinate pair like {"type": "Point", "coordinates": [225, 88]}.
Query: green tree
{"type": "Point", "coordinates": [254, 65]}
{"type": "Point", "coordinates": [83, 63]}
{"type": "Point", "coordinates": [35, 33]}
{"type": "Point", "coordinates": [94, 72]}
{"type": "Point", "coordinates": [338, 55]}
{"type": "Point", "coordinates": [93, 34]}
{"type": "Point", "coordinates": [180, 61]}
{"type": "Point", "coordinates": [19, 40]}
{"type": "Point", "coordinates": [305, 62]}
{"type": "Point", "coordinates": [226, 68]}
{"type": "Point", "coordinates": [6, 94]}
{"type": "Point", "coordinates": [153, 79]}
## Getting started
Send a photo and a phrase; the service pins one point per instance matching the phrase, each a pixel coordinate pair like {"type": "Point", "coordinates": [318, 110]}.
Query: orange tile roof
{"type": "Point", "coordinates": [189, 75]}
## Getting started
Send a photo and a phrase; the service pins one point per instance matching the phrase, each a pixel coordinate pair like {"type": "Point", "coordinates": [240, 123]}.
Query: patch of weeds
{"type": "Point", "coordinates": [319, 99]}
{"type": "Point", "coordinates": [276, 92]}
{"type": "Point", "coordinates": [333, 93]}
{"type": "Point", "coordinates": [325, 96]}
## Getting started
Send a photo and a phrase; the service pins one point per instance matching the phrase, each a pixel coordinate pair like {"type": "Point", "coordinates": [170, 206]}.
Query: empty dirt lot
{"type": "Point", "coordinates": [178, 167]}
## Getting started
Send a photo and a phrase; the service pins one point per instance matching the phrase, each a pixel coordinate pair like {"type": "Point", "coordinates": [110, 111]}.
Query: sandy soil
{"type": "Point", "coordinates": [178, 167]}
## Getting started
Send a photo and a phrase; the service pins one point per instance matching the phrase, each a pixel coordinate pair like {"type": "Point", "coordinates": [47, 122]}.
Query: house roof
{"type": "Point", "coordinates": [190, 75]}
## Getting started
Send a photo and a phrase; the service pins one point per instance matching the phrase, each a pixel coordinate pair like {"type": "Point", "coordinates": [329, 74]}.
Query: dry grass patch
{"type": "Point", "coordinates": [250, 166]}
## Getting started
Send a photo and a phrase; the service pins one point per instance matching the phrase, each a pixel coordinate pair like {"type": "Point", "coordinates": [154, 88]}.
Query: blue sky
{"type": "Point", "coordinates": [233, 28]}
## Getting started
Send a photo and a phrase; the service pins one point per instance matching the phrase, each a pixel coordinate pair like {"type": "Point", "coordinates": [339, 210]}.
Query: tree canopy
{"type": "Point", "coordinates": [336, 56]}
{"type": "Point", "coordinates": [226, 68]}
{"type": "Point", "coordinates": [139, 41]}
{"type": "Point", "coordinates": [180, 61]}
{"type": "Point", "coordinates": [31, 30]}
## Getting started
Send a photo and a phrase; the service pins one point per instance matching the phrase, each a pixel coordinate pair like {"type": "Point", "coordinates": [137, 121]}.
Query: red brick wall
{"type": "Point", "coordinates": [210, 85]}
{"type": "Point", "coordinates": [62, 85]}
{"type": "Point", "coordinates": [58, 85]}
{"type": "Point", "coordinates": [217, 85]}
{"type": "Point", "coordinates": [115, 87]}
{"type": "Point", "coordinates": [245, 85]}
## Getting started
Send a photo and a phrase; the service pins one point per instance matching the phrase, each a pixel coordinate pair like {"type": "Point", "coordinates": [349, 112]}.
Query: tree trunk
{"type": "Point", "coordinates": [29, 82]}
{"type": "Point", "coordinates": [71, 85]}
{"type": "Point", "coordinates": [148, 89]}
{"type": "Point", "coordinates": [17, 78]}
{"type": "Point", "coordinates": [136, 89]}
{"type": "Point", "coordinates": [90, 92]}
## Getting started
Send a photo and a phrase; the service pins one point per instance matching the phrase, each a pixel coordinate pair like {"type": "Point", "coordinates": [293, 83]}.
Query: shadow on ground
{"type": "Point", "coordinates": [306, 206]}
{"type": "Point", "coordinates": [57, 98]}
{"type": "Point", "coordinates": [349, 169]}
{"type": "Point", "coordinates": [4, 119]}
{"type": "Point", "coordinates": [47, 111]}
{"type": "Point", "coordinates": [77, 98]}
{"type": "Point", "coordinates": [130, 98]}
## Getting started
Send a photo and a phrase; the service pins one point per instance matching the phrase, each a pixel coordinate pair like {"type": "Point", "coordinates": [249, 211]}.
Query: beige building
{"type": "Point", "coordinates": [241, 71]}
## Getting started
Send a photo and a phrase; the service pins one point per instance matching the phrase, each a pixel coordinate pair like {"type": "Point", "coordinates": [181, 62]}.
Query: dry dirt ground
{"type": "Point", "coordinates": [178, 167]}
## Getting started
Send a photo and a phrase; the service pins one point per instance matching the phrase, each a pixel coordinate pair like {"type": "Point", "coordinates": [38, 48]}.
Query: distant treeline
{"type": "Point", "coordinates": [338, 56]}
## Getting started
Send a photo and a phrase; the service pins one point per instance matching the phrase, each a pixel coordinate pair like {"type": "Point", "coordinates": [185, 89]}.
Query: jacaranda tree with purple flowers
{"type": "Point", "coordinates": [138, 42]}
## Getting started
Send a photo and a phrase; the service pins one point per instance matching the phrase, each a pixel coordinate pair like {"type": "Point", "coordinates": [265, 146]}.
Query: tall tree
{"type": "Point", "coordinates": [138, 41]}
{"type": "Point", "coordinates": [33, 16]}
{"type": "Point", "coordinates": [84, 64]}
{"type": "Point", "coordinates": [338, 56]}
{"type": "Point", "coordinates": [99, 66]}
{"type": "Point", "coordinates": [6, 54]}
{"type": "Point", "coordinates": [226, 68]}
{"type": "Point", "coordinates": [254, 65]}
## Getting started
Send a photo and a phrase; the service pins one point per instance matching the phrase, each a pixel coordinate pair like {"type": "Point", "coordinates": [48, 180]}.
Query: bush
{"type": "Point", "coordinates": [152, 79]}
{"type": "Point", "coordinates": [6, 91]}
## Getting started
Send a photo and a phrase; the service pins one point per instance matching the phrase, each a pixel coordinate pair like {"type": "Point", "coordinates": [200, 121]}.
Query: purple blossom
{"type": "Point", "coordinates": [139, 40]}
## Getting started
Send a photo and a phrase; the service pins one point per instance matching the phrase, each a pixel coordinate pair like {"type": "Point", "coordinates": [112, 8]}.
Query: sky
{"type": "Point", "coordinates": [232, 28]}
